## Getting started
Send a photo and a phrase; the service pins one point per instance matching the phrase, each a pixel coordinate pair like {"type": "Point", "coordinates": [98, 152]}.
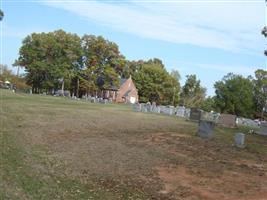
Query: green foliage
{"type": "Point", "coordinates": [260, 91]}
{"type": "Point", "coordinates": [193, 94]}
{"type": "Point", "coordinates": [234, 95]}
{"type": "Point", "coordinates": [103, 62]}
{"type": "Point", "coordinates": [58, 60]}
{"type": "Point", "coordinates": [264, 33]}
{"type": "Point", "coordinates": [153, 82]}
{"type": "Point", "coordinates": [49, 58]}
{"type": "Point", "coordinates": [1, 15]}
{"type": "Point", "coordinates": [208, 104]}
{"type": "Point", "coordinates": [7, 75]}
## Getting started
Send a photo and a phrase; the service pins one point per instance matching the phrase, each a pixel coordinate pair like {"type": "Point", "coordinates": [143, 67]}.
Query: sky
{"type": "Point", "coordinates": [209, 38]}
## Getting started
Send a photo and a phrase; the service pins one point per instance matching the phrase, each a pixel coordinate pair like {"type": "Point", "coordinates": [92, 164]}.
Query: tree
{"type": "Point", "coordinates": [1, 15]}
{"type": "Point", "coordinates": [154, 83]}
{"type": "Point", "coordinates": [264, 33]}
{"type": "Point", "coordinates": [193, 93]}
{"type": "Point", "coordinates": [7, 75]}
{"type": "Point", "coordinates": [175, 78]}
{"type": "Point", "coordinates": [260, 90]}
{"type": "Point", "coordinates": [51, 60]}
{"type": "Point", "coordinates": [104, 62]}
{"type": "Point", "coordinates": [208, 104]}
{"type": "Point", "coordinates": [234, 95]}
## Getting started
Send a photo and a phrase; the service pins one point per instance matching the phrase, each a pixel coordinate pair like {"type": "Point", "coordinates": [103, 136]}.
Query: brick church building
{"type": "Point", "coordinates": [126, 93]}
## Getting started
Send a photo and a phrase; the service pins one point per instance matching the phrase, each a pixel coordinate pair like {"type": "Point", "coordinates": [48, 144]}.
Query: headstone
{"type": "Point", "coordinates": [205, 129]}
{"type": "Point", "coordinates": [247, 122]}
{"type": "Point", "coordinates": [154, 107]}
{"type": "Point", "coordinates": [187, 113]}
{"type": "Point", "coordinates": [137, 107]}
{"type": "Point", "coordinates": [163, 109]}
{"type": "Point", "coordinates": [171, 110]}
{"type": "Point", "coordinates": [209, 116]}
{"type": "Point", "coordinates": [263, 129]}
{"type": "Point", "coordinates": [227, 120]}
{"type": "Point", "coordinates": [149, 107]}
{"type": "Point", "coordinates": [93, 100]}
{"type": "Point", "coordinates": [143, 107]}
{"type": "Point", "coordinates": [240, 140]}
{"type": "Point", "coordinates": [195, 114]}
{"type": "Point", "coordinates": [180, 111]}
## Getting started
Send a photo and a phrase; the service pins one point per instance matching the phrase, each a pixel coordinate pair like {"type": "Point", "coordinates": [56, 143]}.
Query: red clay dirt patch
{"type": "Point", "coordinates": [182, 184]}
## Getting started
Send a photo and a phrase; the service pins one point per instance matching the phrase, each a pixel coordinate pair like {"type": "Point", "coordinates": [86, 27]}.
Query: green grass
{"type": "Point", "coordinates": [56, 148]}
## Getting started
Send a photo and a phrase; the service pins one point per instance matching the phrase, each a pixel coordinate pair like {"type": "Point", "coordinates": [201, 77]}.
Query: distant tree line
{"type": "Point", "coordinates": [88, 64]}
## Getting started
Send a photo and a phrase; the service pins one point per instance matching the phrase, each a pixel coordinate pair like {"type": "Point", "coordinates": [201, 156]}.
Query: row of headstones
{"type": "Point", "coordinates": [226, 120]}
{"type": "Point", "coordinates": [196, 115]}
{"type": "Point", "coordinates": [179, 111]}
{"type": "Point", "coordinates": [167, 110]}
{"type": "Point", "coordinates": [247, 122]}
{"type": "Point", "coordinates": [96, 99]}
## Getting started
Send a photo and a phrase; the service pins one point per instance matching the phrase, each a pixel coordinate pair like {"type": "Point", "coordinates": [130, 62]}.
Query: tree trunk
{"type": "Point", "coordinates": [77, 90]}
{"type": "Point", "coordinates": [18, 71]}
{"type": "Point", "coordinates": [62, 87]}
{"type": "Point", "coordinates": [173, 98]}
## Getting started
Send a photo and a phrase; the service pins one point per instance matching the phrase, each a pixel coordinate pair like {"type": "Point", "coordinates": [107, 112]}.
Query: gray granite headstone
{"type": "Point", "coordinates": [180, 111]}
{"type": "Point", "coordinates": [246, 122]}
{"type": "Point", "coordinates": [240, 140]}
{"type": "Point", "coordinates": [171, 110]}
{"type": "Point", "coordinates": [205, 129]}
{"type": "Point", "coordinates": [263, 129]}
{"type": "Point", "coordinates": [143, 107]}
{"type": "Point", "coordinates": [187, 113]}
{"type": "Point", "coordinates": [195, 114]}
{"type": "Point", "coordinates": [137, 107]}
{"type": "Point", "coordinates": [154, 107]}
{"type": "Point", "coordinates": [149, 107]}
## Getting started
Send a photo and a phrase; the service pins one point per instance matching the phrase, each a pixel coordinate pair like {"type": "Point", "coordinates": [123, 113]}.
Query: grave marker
{"type": "Point", "coordinates": [195, 114]}
{"type": "Point", "coordinates": [227, 120]}
{"type": "Point", "coordinates": [263, 129]}
{"type": "Point", "coordinates": [240, 140]}
{"type": "Point", "coordinates": [205, 129]}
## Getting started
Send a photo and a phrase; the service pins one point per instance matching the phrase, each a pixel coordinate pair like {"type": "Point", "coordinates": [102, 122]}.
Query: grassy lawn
{"type": "Point", "coordinates": [56, 148]}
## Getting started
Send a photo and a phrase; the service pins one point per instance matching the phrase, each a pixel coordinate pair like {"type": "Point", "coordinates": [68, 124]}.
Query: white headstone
{"type": "Point", "coordinates": [240, 140]}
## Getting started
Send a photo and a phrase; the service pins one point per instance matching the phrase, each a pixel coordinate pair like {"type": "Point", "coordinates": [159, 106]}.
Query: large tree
{"type": "Point", "coordinates": [154, 83]}
{"type": "Point", "coordinates": [51, 60]}
{"type": "Point", "coordinates": [234, 95]}
{"type": "Point", "coordinates": [260, 91]}
{"type": "Point", "coordinates": [193, 93]}
{"type": "Point", "coordinates": [104, 62]}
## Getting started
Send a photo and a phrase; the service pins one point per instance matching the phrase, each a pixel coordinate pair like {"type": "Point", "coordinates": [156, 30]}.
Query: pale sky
{"type": "Point", "coordinates": [206, 38]}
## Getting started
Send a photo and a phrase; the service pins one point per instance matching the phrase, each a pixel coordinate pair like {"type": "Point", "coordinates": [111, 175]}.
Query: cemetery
{"type": "Point", "coordinates": [134, 100]}
{"type": "Point", "coordinates": [121, 151]}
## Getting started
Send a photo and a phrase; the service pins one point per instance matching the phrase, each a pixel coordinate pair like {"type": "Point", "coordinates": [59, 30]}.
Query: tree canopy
{"type": "Point", "coordinates": [1, 15]}
{"type": "Point", "coordinates": [153, 81]}
{"type": "Point", "coordinates": [193, 93]}
{"type": "Point", "coordinates": [89, 64]}
{"type": "Point", "coordinates": [234, 95]}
